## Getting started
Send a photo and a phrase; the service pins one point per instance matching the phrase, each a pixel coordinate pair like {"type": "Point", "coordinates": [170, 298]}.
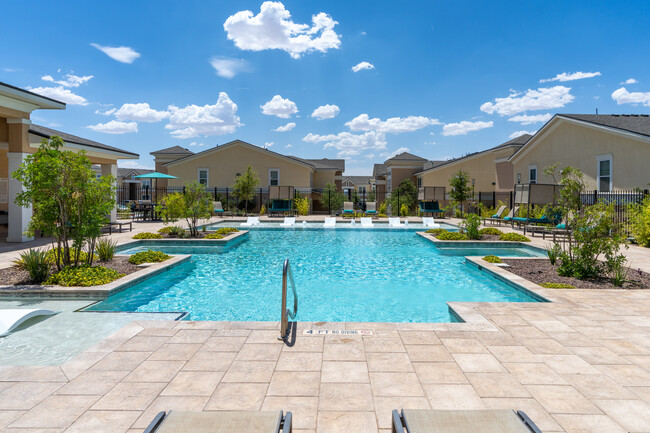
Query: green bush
{"type": "Point", "coordinates": [382, 209]}
{"type": "Point", "coordinates": [225, 231]}
{"type": "Point", "coordinates": [147, 235]}
{"type": "Point", "coordinates": [84, 276]}
{"type": "Point", "coordinates": [83, 256]}
{"type": "Point", "coordinates": [492, 259]}
{"type": "Point", "coordinates": [435, 231]}
{"type": "Point", "coordinates": [36, 263]}
{"type": "Point", "coordinates": [302, 205]}
{"type": "Point", "coordinates": [148, 256]}
{"type": "Point", "coordinates": [553, 253]}
{"type": "Point", "coordinates": [263, 210]}
{"type": "Point", "coordinates": [404, 210]}
{"type": "Point", "coordinates": [513, 237]}
{"type": "Point", "coordinates": [490, 231]}
{"type": "Point", "coordinates": [557, 286]}
{"type": "Point", "coordinates": [382, 215]}
{"type": "Point", "coordinates": [452, 236]}
{"type": "Point", "coordinates": [106, 249]}
{"type": "Point", "coordinates": [470, 226]}
{"type": "Point", "coordinates": [213, 236]}
{"type": "Point", "coordinates": [640, 224]}
{"type": "Point", "coordinates": [173, 231]}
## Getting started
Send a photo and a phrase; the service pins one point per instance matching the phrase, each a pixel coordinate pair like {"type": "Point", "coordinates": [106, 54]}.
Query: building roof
{"type": "Point", "coordinates": [521, 140]}
{"type": "Point", "coordinates": [323, 163]}
{"type": "Point", "coordinates": [31, 98]}
{"type": "Point", "coordinates": [379, 170]}
{"type": "Point", "coordinates": [44, 132]}
{"type": "Point", "coordinates": [636, 123]}
{"type": "Point", "coordinates": [430, 164]}
{"type": "Point", "coordinates": [405, 156]}
{"type": "Point", "coordinates": [123, 172]}
{"type": "Point", "coordinates": [358, 180]}
{"type": "Point", "coordinates": [174, 150]}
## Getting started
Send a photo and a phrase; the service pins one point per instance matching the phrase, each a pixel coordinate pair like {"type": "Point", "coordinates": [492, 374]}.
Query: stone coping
{"type": "Point", "coordinates": [474, 243]}
{"type": "Point", "coordinates": [185, 242]}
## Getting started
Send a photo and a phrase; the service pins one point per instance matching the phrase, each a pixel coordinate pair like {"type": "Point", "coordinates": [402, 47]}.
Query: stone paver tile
{"type": "Point", "coordinates": [387, 361]}
{"type": "Point", "coordinates": [142, 344]}
{"type": "Point", "coordinates": [253, 325]}
{"type": "Point", "coordinates": [175, 352]}
{"type": "Point", "coordinates": [562, 399]}
{"type": "Point", "coordinates": [191, 336]}
{"type": "Point", "coordinates": [224, 343]}
{"type": "Point", "coordinates": [129, 396]}
{"type": "Point", "coordinates": [626, 375]}
{"type": "Point", "coordinates": [598, 355]}
{"type": "Point", "coordinates": [157, 332]}
{"type": "Point", "coordinates": [588, 423]}
{"type": "Point", "coordinates": [213, 325]}
{"type": "Point", "coordinates": [526, 331]}
{"type": "Point", "coordinates": [598, 386]}
{"type": "Point", "coordinates": [395, 384]}
{"type": "Point", "coordinates": [463, 345]}
{"type": "Point", "coordinates": [419, 337]}
{"type": "Point", "coordinates": [121, 361]}
{"type": "Point", "coordinates": [439, 372]}
{"type": "Point", "coordinates": [344, 352]}
{"type": "Point", "coordinates": [624, 347]}
{"type": "Point", "coordinates": [571, 339]}
{"type": "Point", "coordinates": [237, 396]}
{"type": "Point", "coordinates": [210, 361]}
{"type": "Point", "coordinates": [8, 416]}
{"type": "Point", "coordinates": [632, 415]}
{"type": "Point", "coordinates": [534, 373]}
{"type": "Point", "coordinates": [640, 360]}
{"type": "Point", "coordinates": [264, 336]}
{"type": "Point", "coordinates": [383, 344]}
{"type": "Point", "coordinates": [357, 422]}
{"type": "Point", "coordinates": [345, 372]}
{"type": "Point", "coordinates": [530, 406]}
{"type": "Point", "coordinates": [259, 352]}
{"type": "Point", "coordinates": [249, 371]}
{"type": "Point", "coordinates": [98, 421]}
{"type": "Point", "coordinates": [344, 339]}
{"type": "Point", "coordinates": [93, 382]}
{"type": "Point", "coordinates": [569, 364]}
{"type": "Point", "coordinates": [495, 338]}
{"type": "Point", "coordinates": [193, 383]}
{"type": "Point", "coordinates": [551, 326]}
{"type": "Point", "coordinates": [300, 361]}
{"type": "Point", "coordinates": [513, 354]}
{"type": "Point", "coordinates": [191, 404]}
{"type": "Point", "coordinates": [80, 363]}
{"type": "Point", "coordinates": [57, 411]}
{"type": "Point", "coordinates": [642, 392]}
{"type": "Point", "coordinates": [290, 383]}
{"type": "Point", "coordinates": [303, 409]}
{"type": "Point", "coordinates": [496, 385]}
{"type": "Point", "coordinates": [306, 344]}
{"type": "Point", "coordinates": [385, 405]}
{"type": "Point", "coordinates": [428, 353]}
{"type": "Point", "coordinates": [544, 346]}
{"type": "Point", "coordinates": [478, 363]}
{"type": "Point", "coordinates": [345, 397]}
{"type": "Point", "coordinates": [227, 332]}
{"type": "Point", "coordinates": [155, 371]}
{"type": "Point", "coordinates": [36, 374]}
{"type": "Point", "coordinates": [26, 395]}
{"type": "Point", "coordinates": [453, 397]}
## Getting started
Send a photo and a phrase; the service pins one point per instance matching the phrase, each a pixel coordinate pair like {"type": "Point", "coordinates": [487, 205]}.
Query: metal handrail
{"type": "Point", "coordinates": [284, 321]}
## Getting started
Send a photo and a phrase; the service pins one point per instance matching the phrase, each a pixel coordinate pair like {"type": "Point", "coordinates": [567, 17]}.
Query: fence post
{"type": "Point", "coordinates": [329, 201]}
{"type": "Point", "coordinates": [398, 207]}
{"type": "Point", "coordinates": [215, 193]}
{"type": "Point", "coordinates": [227, 200]}
{"type": "Point", "coordinates": [183, 190]}
{"type": "Point", "coordinates": [494, 199]}
{"type": "Point", "coordinates": [595, 196]}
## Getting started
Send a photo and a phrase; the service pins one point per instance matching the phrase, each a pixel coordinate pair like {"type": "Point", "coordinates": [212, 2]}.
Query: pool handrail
{"type": "Point", "coordinates": [286, 313]}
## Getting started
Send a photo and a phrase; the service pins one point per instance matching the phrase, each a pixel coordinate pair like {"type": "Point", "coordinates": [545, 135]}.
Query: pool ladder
{"type": "Point", "coordinates": [286, 313]}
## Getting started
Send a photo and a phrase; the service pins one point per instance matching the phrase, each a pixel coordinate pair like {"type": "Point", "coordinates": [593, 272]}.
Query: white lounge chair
{"type": "Point", "coordinates": [13, 318]}
{"type": "Point", "coordinates": [394, 222]}
{"type": "Point", "coordinates": [366, 222]}
{"type": "Point", "coordinates": [251, 221]}
{"type": "Point", "coordinates": [330, 223]}
{"type": "Point", "coordinates": [430, 223]}
{"type": "Point", "coordinates": [288, 222]}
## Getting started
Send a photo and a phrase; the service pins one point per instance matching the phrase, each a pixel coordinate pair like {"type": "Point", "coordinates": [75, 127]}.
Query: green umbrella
{"type": "Point", "coordinates": [156, 175]}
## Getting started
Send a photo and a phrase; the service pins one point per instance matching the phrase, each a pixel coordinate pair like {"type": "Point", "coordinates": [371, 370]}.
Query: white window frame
{"type": "Point", "coordinates": [609, 158]}
{"type": "Point", "coordinates": [533, 167]}
{"type": "Point", "coordinates": [272, 170]}
{"type": "Point", "coordinates": [207, 175]}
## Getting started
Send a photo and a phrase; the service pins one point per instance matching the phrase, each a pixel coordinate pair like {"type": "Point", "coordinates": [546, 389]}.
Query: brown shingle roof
{"type": "Point", "coordinates": [636, 123]}
{"type": "Point", "coordinates": [405, 156]}
{"type": "Point", "coordinates": [174, 150]}
{"type": "Point", "coordinates": [44, 132]}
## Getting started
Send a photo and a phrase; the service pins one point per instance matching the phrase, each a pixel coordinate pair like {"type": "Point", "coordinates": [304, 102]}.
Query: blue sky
{"type": "Point", "coordinates": [360, 80]}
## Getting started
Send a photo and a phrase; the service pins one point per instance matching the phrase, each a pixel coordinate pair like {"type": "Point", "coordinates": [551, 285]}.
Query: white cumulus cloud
{"type": "Point", "coordinates": [273, 29]}
{"type": "Point", "coordinates": [121, 54]}
{"type": "Point", "coordinates": [129, 163]}
{"type": "Point", "coordinates": [526, 119]}
{"type": "Point", "coordinates": [193, 120]}
{"type": "Point", "coordinates": [520, 133]}
{"type": "Point", "coordinates": [566, 76]}
{"type": "Point", "coordinates": [140, 112]}
{"type": "Point", "coordinates": [348, 144]}
{"type": "Point", "coordinates": [115, 127]}
{"type": "Point", "coordinates": [288, 146]}
{"type": "Point", "coordinates": [393, 125]}
{"type": "Point", "coordinates": [268, 144]}
{"type": "Point", "coordinates": [60, 93]}
{"type": "Point", "coordinates": [326, 112]}
{"type": "Point", "coordinates": [622, 96]}
{"type": "Point", "coordinates": [363, 65]}
{"type": "Point", "coordinates": [465, 127]}
{"type": "Point", "coordinates": [280, 107]}
{"type": "Point", "coordinates": [629, 81]}
{"type": "Point", "coordinates": [284, 128]}
{"type": "Point", "coordinates": [389, 155]}
{"type": "Point", "coordinates": [71, 80]}
{"type": "Point", "coordinates": [197, 144]}
{"type": "Point", "coordinates": [228, 67]}
{"type": "Point", "coordinates": [544, 98]}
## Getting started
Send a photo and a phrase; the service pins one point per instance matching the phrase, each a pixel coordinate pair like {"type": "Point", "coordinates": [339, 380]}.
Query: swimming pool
{"type": "Point", "coordinates": [349, 275]}
{"type": "Point", "coordinates": [340, 225]}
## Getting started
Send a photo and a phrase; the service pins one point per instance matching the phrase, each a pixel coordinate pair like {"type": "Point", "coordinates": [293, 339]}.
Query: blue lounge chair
{"type": "Point", "coordinates": [431, 207]}
{"type": "Point", "coordinates": [371, 208]}
{"type": "Point", "coordinates": [218, 208]}
{"type": "Point", "coordinates": [281, 206]}
{"type": "Point", "coordinates": [348, 209]}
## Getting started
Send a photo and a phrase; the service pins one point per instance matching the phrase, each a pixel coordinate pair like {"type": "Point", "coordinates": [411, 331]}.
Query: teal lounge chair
{"type": "Point", "coordinates": [371, 209]}
{"type": "Point", "coordinates": [218, 208]}
{"type": "Point", "coordinates": [431, 207]}
{"type": "Point", "coordinates": [348, 209]}
{"type": "Point", "coordinates": [497, 215]}
{"type": "Point", "coordinates": [281, 206]}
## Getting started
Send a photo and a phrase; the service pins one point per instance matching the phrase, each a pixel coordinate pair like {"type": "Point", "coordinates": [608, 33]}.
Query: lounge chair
{"type": "Point", "coordinates": [250, 222]}
{"type": "Point", "coordinates": [371, 208]}
{"type": "Point", "coordinates": [432, 207]}
{"type": "Point", "coordinates": [330, 223]}
{"type": "Point", "coordinates": [281, 206]}
{"type": "Point", "coordinates": [218, 208]}
{"type": "Point", "coordinates": [394, 222]}
{"type": "Point", "coordinates": [507, 218]}
{"type": "Point", "coordinates": [461, 421]}
{"type": "Point", "coordinates": [497, 215]}
{"type": "Point", "coordinates": [348, 208]}
{"type": "Point", "coordinates": [11, 319]}
{"type": "Point", "coordinates": [366, 222]}
{"type": "Point", "coordinates": [430, 223]}
{"type": "Point", "coordinates": [221, 422]}
{"type": "Point", "coordinates": [288, 222]}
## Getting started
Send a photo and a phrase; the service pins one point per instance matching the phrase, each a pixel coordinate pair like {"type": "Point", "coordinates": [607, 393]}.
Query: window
{"type": "Point", "coordinates": [362, 192]}
{"type": "Point", "coordinates": [203, 176]}
{"type": "Point", "coordinates": [532, 174]}
{"type": "Point", "coordinates": [274, 177]}
{"type": "Point", "coordinates": [419, 182]}
{"type": "Point", "coordinates": [604, 173]}
{"type": "Point", "coordinates": [518, 177]}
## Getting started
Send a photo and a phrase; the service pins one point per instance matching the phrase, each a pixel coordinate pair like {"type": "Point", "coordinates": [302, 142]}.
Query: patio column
{"type": "Point", "coordinates": [111, 169]}
{"type": "Point", "coordinates": [19, 217]}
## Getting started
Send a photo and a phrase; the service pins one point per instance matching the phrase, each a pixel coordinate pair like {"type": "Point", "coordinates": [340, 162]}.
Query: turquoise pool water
{"type": "Point", "coordinates": [360, 275]}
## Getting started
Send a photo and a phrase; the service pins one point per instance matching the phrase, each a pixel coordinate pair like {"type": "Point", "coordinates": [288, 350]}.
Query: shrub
{"type": "Point", "coordinates": [302, 205]}
{"type": "Point", "coordinates": [332, 199]}
{"type": "Point", "coordinates": [553, 253]}
{"type": "Point", "coordinates": [174, 231]}
{"type": "Point", "coordinates": [490, 231]}
{"type": "Point", "coordinates": [263, 210]}
{"type": "Point", "coordinates": [640, 224]}
{"type": "Point", "coordinates": [225, 231]}
{"type": "Point", "coordinates": [452, 236]}
{"type": "Point", "coordinates": [84, 276]}
{"type": "Point", "coordinates": [513, 237]}
{"type": "Point", "coordinates": [147, 235]}
{"type": "Point", "coordinates": [557, 286]}
{"type": "Point", "coordinates": [106, 249]}
{"type": "Point", "coordinates": [470, 226]}
{"type": "Point", "coordinates": [404, 210]}
{"type": "Point", "coordinates": [213, 236]}
{"type": "Point", "coordinates": [36, 263]}
{"type": "Point", "coordinates": [83, 256]}
{"type": "Point", "coordinates": [492, 259]}
{"type": "Point", "coordinates": [382, 209]}
{"type": "Point", "coordinates": [382, 215]}
{"type": "Point", "coordinates": [616, 269]}
{"type": "Point", "coordinates": [435, 231]}
{"type": "Point", "coordinates": [148, 256]}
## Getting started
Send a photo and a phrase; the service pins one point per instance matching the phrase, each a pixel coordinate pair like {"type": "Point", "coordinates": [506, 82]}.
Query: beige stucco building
{"type": "Point", "coordinates": [613, 151]}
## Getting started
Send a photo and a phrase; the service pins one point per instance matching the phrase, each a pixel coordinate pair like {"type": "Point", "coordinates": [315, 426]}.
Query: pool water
{"type": "Point", "coordinates": [360, 275]}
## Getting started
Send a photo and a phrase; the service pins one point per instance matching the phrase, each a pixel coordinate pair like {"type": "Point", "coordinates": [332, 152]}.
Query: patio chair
{"type": "Point", "coordinates": [430, 223]}
{"type": "Point", "coordinates": [371, 208]}
{"type": "Point", "coordinates": [507, 218]}
{"type": "Point", "coordinates": [348, 208]}
{"type": "Point", "coordinates": [288, 222]}
{"type": "Point", "coordinates": [330, 223]}
{"type": "Point", "coordinates": [394, 222]}
{"type": "Point", "coordinates": [281, 207]}
{"type": "Point", "coordinates": [221, 422]}
{"type": "Point", "coordinates": [366, 222]}
{"type": "Point", "coordinates": [11, 319]}
{"type": "Point", "coordinates": [497, 215]}
{"type": "Point", "coordinates": [432, 207]}
{"type": "Point", "coordinates": [218, 208]}
{"type": "Point", "coordinates": [251, 221]}
{"type": "Point", "coordinates": [462, 421]}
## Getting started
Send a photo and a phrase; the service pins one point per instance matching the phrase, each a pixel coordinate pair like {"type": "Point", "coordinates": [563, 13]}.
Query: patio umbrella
{"type": "Point", "coordinates": [156, 175]}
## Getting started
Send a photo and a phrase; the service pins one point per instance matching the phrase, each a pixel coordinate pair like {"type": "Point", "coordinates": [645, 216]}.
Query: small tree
{"type": "Point", "coordinates": [302, 204]}
{"type": "Point", "coordinates": [193, 206]}
{"type": "Point", "coordinates": [244, 186]}
{"type": "Point", "coordinates": [372, 195]}
{"type": "Point", "coordinates": [406, 193]}
{"type": "Point", "coordinates": [460, 189]}
{"type": "Point", "coordinates": [332, 198]}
